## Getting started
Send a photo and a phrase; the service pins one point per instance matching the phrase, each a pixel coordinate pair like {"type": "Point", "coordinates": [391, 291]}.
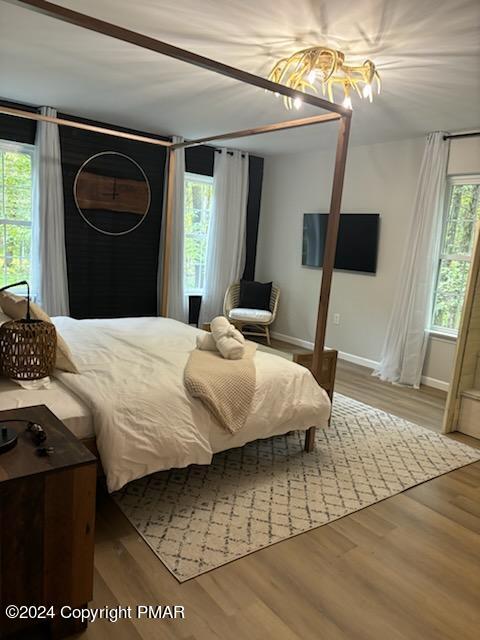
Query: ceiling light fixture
{"type": "Point", "coordinates": [306, 69]}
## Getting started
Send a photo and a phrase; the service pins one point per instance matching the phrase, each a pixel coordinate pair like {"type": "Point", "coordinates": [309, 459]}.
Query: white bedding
{"type": "Point", "coordinates": [131, 378]}
{"type": "Point", "coordinates": [60, 400]}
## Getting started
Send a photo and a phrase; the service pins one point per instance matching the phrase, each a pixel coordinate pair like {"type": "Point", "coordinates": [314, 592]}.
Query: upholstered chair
{"type": "Point", "coordinates": [251, 322]}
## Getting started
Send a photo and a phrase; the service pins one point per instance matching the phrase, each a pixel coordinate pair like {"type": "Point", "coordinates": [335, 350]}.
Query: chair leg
{"type": "Point", "coordinates": [310, 439]}
{"type": "Point", "coordinates": [267, 332]}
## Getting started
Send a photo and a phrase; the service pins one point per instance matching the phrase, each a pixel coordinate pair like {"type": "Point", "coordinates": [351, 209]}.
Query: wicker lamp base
{"type": "Point", "coordinates": [27, 349]}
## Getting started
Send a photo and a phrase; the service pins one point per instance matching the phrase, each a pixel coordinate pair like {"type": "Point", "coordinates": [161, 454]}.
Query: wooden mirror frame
{"type": "Point", "coordinates": [80, 210]}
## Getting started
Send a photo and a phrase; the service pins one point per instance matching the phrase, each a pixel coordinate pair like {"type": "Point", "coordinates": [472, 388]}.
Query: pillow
{"type": "Point", "coordinates": [13, 306]}
{"type": "Point", "coordinates": [3, 317]}
{"type": "Point", "coordinates": [16, 307]}
{"type": "Point", "coordinates": [255, 295]}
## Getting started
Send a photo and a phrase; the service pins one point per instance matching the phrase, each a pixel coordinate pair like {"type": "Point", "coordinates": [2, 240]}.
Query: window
{"type": "Point", "coordinates": [462, 216]}
{"type": "Point", "coordinates": [16, 182]}
{"type": "Point", "coordinates": [198, 204]}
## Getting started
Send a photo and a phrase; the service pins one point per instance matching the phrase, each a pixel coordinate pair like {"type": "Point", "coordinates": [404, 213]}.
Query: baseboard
{"type": "Point", "coordinates": [296, 341]}
{"type": "Point", "coordinates": [436, 384]}
{"type": "Point", "coordinates": [360, 360]}
{"type": "Point", "coordinates": [364, 362]}
{"type": "Point", "coordinates": [349, 357]}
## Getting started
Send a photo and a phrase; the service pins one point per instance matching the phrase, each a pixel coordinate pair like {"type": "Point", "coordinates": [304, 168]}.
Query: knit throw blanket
{"type": "Point", "coordinates": [226, 387]}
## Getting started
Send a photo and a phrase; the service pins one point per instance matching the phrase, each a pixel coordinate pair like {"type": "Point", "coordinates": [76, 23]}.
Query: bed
{"type": "Point", "coordinates": [62, 402]}
{"type": "Point", "coordinates": [129, 394]}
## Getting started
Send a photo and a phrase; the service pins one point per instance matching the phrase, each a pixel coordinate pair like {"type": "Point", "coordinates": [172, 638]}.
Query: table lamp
{"type": "Point", "coordinates": [27, 346]}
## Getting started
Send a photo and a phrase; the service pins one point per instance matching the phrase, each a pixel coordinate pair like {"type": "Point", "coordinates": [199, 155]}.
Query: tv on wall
{"type": "Point", "coordinates": [357, 245]}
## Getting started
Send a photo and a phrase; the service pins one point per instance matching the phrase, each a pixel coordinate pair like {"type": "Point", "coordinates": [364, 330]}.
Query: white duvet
{"type": "Point", "coordinates": [131, 378]}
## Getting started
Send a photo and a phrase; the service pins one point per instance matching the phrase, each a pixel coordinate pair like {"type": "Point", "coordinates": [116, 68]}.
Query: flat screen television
{"type": "Point", "coordinates": [357, 245]}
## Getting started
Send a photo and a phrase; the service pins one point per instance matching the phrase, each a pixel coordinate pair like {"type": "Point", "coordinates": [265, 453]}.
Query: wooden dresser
{"type": "Point", "coordinates": [47, 520]}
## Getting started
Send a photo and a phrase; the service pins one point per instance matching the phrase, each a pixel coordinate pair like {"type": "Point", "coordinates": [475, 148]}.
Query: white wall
{"type": "Point", "coordinates": [464, 156]}
{"type": "Point", "coordinates": [380, 178]}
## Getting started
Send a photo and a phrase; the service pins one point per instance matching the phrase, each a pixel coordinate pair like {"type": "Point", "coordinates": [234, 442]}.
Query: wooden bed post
{"type": "Point", "coordinates": [168, 222]}
{"type": "Point", "coordinates": [329, 258]}
{"type": "Point", "coordinates": [330, 244]}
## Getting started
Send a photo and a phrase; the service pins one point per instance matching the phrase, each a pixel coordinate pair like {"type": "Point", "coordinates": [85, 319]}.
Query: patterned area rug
{"type": "Point", "coordinates": [202, 517]}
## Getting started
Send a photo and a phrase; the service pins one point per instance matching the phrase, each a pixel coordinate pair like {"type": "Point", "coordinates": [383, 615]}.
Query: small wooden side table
{"type": "Point", "coordinates": [47, 524]}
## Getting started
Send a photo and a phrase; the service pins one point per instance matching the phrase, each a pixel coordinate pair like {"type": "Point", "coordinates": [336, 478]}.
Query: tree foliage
{"type": "Point", "coordinates": [15, 216]}
{"type": "Point", "coordinates": [462, 217]}
{"type": "Point", "coordinates": [198, 202]}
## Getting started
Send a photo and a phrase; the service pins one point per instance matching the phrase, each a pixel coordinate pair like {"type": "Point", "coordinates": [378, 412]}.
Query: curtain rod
{"type": "Point", "coordinates": [230, 153]}
{"type": "Point", "coordinates": [451, 136]}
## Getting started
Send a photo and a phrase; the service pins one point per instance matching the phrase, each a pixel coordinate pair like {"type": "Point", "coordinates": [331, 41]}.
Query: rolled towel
{"type": "Point", "coordinates": [230, 348]}
{"type": "Point", "coordinates": [230, 342]}
{"type": "Point", "coordinates": [221, 328]}
{"type": "Point", "coordinates": [238, 335]}
{"type": "Point", "coordinates": [205, 342]}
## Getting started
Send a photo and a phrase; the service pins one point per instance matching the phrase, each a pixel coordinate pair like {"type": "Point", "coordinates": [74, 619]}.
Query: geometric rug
{"type": "Point", "coordinates": [199, 518]}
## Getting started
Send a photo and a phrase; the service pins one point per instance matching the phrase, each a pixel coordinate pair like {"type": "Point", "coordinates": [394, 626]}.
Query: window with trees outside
{"type": "Point", "coordinates": [16, 186]}
{"type": "Point", "coordinates": [198, 205]}
{"type": "Point", "coordinates": [461, 218]}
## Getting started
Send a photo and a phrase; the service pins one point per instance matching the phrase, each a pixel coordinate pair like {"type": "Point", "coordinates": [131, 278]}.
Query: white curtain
{"type": "Point", "coordinates": [49, 263]}
{"type": "Point", "coordinates": [226, 233]}
{"type": "Point", "coordinates": [177, 302]}
{"type": "Point", "coordinates": [405, 345]}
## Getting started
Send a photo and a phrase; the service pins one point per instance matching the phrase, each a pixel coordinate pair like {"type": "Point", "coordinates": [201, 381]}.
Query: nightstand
{"type": "Point", "coordinates": [47, 521]}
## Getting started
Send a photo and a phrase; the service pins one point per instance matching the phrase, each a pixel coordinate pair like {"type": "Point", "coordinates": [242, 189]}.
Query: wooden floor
{"type": "Point", "coordinates": [423, 407]}
{"type": "Point", "coordinates": [405, 568]}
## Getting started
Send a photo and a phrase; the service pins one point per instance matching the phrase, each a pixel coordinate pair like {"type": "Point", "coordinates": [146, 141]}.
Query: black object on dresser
{"type": "Point", "coordinates": [194, 304]}
{"type": "Point", "coordinates": [8, 438]}
{"type": "Point", "coordinates": [47, 524]}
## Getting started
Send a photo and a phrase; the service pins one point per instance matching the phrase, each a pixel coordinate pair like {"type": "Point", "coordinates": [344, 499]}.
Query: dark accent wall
{"type": "Point", "coordinates": [200, 160]}
{"type": "Point", "coordinates": [17, 129]}
{"type": "Point", "coordinates": [111, 276]}
{"type": "Point", "coordinates": [255, 176]}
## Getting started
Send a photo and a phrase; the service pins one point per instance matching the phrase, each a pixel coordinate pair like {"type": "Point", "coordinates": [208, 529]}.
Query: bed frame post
{"type": "Point", "coordinates": [168, 222]}
{"type": "Point", "coordinates": [329, 260]}
{"type": "Point", "coordinates": [330, 245]}
{"type": "Point", "coordinates": [310, 439]}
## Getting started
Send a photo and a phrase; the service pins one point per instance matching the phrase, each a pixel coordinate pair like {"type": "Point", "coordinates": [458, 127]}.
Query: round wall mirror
{"type": "Point", "coordinates": [112, 193]}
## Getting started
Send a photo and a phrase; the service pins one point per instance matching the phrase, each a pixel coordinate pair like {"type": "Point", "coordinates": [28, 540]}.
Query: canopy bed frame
{"type": "Point", "coordinates": [334, 111]}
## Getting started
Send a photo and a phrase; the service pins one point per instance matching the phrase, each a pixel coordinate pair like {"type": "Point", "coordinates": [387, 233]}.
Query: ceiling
{"type": "Point", "coordinates": [427, 52]}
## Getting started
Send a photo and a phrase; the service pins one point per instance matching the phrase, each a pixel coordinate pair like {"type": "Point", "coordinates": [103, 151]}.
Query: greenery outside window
{"type": "Point", "coordinates": [461, 218]}
{"type": "Point", "coordinates": [16, 189]}
{"type": "Point", "coordinates": [198, 205]}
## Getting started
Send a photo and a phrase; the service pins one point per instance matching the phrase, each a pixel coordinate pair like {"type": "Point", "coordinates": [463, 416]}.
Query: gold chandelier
{"type": "Point", "coordinates": [306, 69]}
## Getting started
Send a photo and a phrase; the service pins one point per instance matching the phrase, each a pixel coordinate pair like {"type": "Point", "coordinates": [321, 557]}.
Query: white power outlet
{"type": "Point", "coordinates": [336, 318]}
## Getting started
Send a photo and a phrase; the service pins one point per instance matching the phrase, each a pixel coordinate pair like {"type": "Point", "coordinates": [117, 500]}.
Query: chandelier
{"type": "Point", "coordinates": [325, 67]}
